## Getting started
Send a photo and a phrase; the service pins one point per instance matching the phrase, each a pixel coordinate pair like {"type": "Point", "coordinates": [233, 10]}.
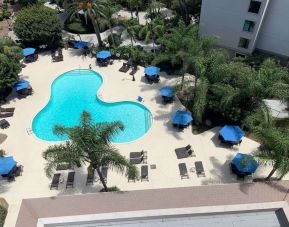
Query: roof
{"type": "Point", "coordinates": [102, 203]}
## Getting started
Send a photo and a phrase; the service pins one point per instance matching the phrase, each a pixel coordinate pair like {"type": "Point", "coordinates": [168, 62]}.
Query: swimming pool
{"type": "Point", "coordinates": [75, 91]}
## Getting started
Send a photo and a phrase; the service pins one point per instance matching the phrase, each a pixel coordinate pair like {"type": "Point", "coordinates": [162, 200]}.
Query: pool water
{"type": "Point", "coordinates": [75, 91]}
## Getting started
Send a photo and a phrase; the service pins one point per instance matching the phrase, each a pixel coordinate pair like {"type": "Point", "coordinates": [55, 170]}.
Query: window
{"type": "Point", "coordinates": [244, 43]}
{"type": "Point", "coordinates": [249, 26]}
{"type": "Point", "coordinates": [254, 6]}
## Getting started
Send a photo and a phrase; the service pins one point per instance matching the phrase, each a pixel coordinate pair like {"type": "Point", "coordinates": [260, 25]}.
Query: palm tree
{"type": "Point", "coordinates": [90, 8]}
{"type": "Point", "coordinates": [88, 143]}
{"type": "Point", "coordinates": [108, 12]}
{"type": "Point", "coordinates": [136, 4]}
{"type": "Point", "coordinates": [132, 29]}
{"type": "Point", "coordinates": [274, 149]}
{"type": "Point", "coordinates": [152, 31]}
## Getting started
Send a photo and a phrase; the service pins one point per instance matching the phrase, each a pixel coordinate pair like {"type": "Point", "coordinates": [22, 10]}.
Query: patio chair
{"type": "Point", "coordinates": [7, 114]}
{"type": "Point", "coordinates": [134, 70]}
{"type": "Point", "coordinates": [70, 180]}
{"type": "Point", "coordinates": [144, 173]}
{"type": "Point", "coordinates": [63, 166]}
{"type": "Point", "coordinates": [184, 152]}
{"type": "Point", "coordinates": [200, 169]}
{"type": "Point", "coordinates": [2, 109]}
{"type": "Point", "coordinates": [90, 178]}
{"type": "Point", "coordinates": [183, 171]}
{"type": "Point", "coordinates": [125, 67]}
{"type": "Point", "coordinates": [136, 161]}
{"type": "Point", "coordinates": [11, 177]}
{"type": "Point", "coordinates": [4, 124]}
{"type": "Point", "coordinates": [18, 171]}
{"type": "Point", "coordinates": [133, 155]}
{"type": "Point", "coordinates": [104, 173]}
{"type": "Point", "coordinates": [55, 181]}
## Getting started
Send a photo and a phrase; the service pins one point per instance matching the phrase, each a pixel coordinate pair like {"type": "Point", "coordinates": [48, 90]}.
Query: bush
{"type": "Point", "coordinates": [3, 214]}
{"type": "Point", "coordinates": [27, 2]}
{"type": "Point", "coordinates": [111, 189]}
{"type": "Point", "coordinates": [38, 25]}
{"type": "Point", "coordinates": [75, 26]}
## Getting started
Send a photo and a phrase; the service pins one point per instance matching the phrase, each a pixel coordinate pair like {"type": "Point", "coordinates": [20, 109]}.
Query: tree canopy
{"type": "Point", "coordinates": [38, 25]}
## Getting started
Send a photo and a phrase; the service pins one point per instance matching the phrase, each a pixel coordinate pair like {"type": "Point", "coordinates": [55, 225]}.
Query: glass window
{"type": "Point", "coordinates": [244, 43]}
{"type": "Point", "coordinates": [254, 6]}
{"type": "Point", "coordinates": [249, 26]}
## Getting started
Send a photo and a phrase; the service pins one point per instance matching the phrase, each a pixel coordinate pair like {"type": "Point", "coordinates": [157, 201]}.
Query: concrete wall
{"type": "Point", "coordinates": [274, 33]}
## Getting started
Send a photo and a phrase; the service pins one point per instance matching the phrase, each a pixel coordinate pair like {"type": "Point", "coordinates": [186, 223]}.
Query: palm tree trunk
{"type": "Point", "coordinates": [137, 14]}
{"type": "Point", "coordinates": [271, 173]}
{"type": "Point", "coordinates": [101, 179]}
{"type": "Point", "coordinates": [95, 27]}
{"type": "Point", "coordinates": [154, 48]}
{"type": "Point", "coordinates": [111, 33]}
{"type": "Point", "coordinates": [131, 39]}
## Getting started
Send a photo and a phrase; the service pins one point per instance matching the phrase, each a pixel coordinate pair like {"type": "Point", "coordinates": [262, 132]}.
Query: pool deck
{"type": "Point", "coordinates": [159, 142]}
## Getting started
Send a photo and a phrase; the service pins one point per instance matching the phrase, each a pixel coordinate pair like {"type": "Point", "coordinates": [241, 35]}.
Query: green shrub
{"type": "Point", "coordinates": [38, 25]}
{"type": "Point", "coordinates": [111, 189]}
{"type": "Point", "coordinates": [27, 2]}
{"type": "Point", "coordinates": [3, 214]}
{"type": "Point", "coordinates": [76, 27]}
{"type": "Point", "coordinates": [6, 14]}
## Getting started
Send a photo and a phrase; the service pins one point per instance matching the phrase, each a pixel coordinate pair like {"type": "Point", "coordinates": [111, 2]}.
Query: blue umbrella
{"type": "Point", "coordinates": [167, 91]}
{"type": "Point", "coordinates": [245, 163]}
{"type": "Point", "coordinates": [232, 133]}
{"type": "Point", "coordinates": [21, 84]}
{"type": "Point", "coordinates": [103, 54]}
{"type": "Point", "coordinates": [80, 44]}
{"type": "Point", "coordinates": [181, 118]}
{"type": "Point", "coordinates": [6, 164]}
{"type": "Point", "coordinates": [152, 70]}
{"type": "Point", "coordinates": [28, 51]}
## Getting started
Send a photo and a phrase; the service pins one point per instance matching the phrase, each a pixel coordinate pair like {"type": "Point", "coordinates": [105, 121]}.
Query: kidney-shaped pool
{"type": "Point", "coordinates": [75, 91]}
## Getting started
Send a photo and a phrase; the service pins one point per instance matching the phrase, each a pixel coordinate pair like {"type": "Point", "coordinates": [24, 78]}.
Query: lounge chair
{"type": "Point", "coordinates": [200, 169]}
{"type": "Point", "coordinates": [133, 155]}
{"type": "Point", "coordinates": [55, 181]}
{"type": "Point", "coordinates": [7, 114]}
{"type": "Point", "coordinates": [134, 70]}
{"type": "Point", "coordinates": [4, 124]}
{"type": "Point", "coordinates": [90, 178]}
{"type": "Point", "coordinates": [104, 173]}
{"type": "Point", "coordinates": [136, 161]}
{"type": "Point", "coordinates": [183, 171]}
{"type": "Point", "coordinates": [18, 170]}
{"type": "Point", "coordinates": [63, 166]}
{"type": "Point", "coordinates": [70, 179]}
{"type": "Point", "coordinates": [144, 173]}
{"type": "Point", "coordinates": [124, 68]}
{"type": "Point", "coordinates": [184, 152]}
{"type": "Point", "coordinates": [2, 109]}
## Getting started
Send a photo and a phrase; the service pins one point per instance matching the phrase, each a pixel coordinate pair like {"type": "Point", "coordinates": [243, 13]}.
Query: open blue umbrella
{"type": "Point", "coordinates": [28, 51]}
{"type": "Point", "coordinates": [6, 164]}
{"type": "Point", "coordinates": [167, 91]}
{"type": "Point", "coordinates": [80, 44]}
{"type": "Point", "coordinates": [103, 54]}
{"type": "Point", "coordinates": [232, 133]}
{"type": "Point", "coordinates": [245, 163]}
{"type": "Point", "coordinates": [21, 84]}
{"type": "Point", "coordinates": [181, 118]}
{"type": "Point", "coordinates": [152, 70]}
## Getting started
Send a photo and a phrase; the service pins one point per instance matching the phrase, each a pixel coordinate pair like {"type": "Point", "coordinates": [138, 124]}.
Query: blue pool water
{"type": "Point", "coordinates": [74, 92]}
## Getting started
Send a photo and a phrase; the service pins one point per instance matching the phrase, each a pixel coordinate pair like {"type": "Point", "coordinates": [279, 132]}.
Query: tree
{"type": "Point", "coordinates": [10, 54]}
{"type": "Point", "coordinates": [153, 30]}
{"type": "Point", "coordinates": [38, 25]}
{"type": "Point", "coordinates": [89, 143]}
{"type": "Point", "coordinates": [135, 4]}
{"type": "Point", "coordinates": [274, 149]}
{"type": "Point", "coordinates": [108, 12]}
{"type": "Point", "coordinates": [132, 28]}
{"type": "Point", "coordinates": [91, 10]}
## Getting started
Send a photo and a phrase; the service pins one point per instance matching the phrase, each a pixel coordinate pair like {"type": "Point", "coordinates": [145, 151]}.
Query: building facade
{"type": "Point", "coordinates": [244, 26]}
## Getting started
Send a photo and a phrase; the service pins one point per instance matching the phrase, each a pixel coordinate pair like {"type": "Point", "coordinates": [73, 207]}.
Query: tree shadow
{"type": "Point", "coordinates": [220, 173]}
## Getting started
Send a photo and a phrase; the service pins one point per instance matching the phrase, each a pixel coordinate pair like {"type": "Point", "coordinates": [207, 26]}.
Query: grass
{"type": "Point", "coordinates": [3, 213]}
{"type": "Point", "coordinates": [111, 189]}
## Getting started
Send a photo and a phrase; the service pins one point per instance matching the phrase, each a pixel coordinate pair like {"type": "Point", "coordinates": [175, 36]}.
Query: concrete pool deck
{"type": "Point", "coordinates": [159, 142]}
